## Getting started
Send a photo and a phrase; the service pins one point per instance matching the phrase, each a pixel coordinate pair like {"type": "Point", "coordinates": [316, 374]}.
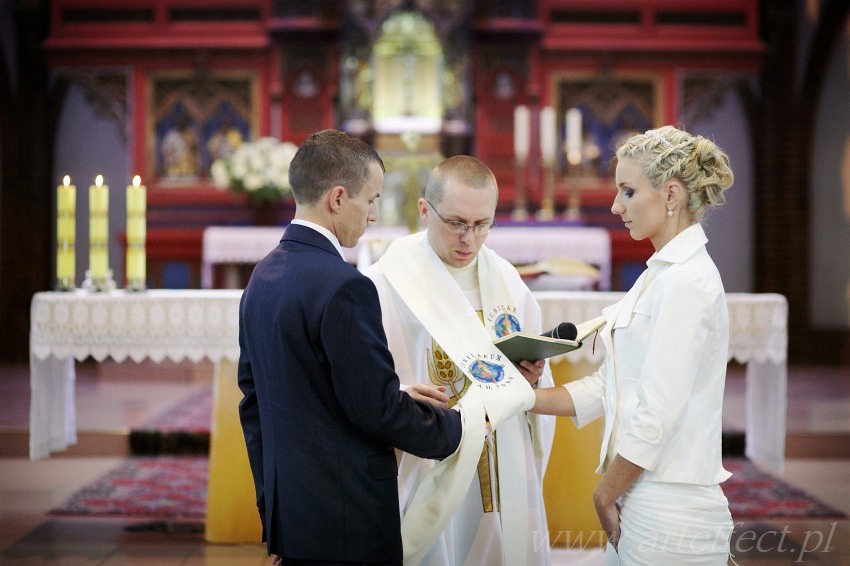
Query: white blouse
{"type": "Point", "coordinates": [660, 387]}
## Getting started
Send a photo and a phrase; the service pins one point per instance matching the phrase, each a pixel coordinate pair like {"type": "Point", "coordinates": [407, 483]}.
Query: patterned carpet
{"type": "Point", "coordinates": [755, 495]}
{"type": "Point", "coordinates": [182, 430]}
{"type": "Point", "coordinates": [170, 481]}
{"type": "Point", "coordinates": [174, 489]}
{"type": "Point", "coordinates": [165, 488]}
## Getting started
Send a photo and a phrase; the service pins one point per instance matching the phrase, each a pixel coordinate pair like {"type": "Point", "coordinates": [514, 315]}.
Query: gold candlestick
{"type": "Point", "coordinates": [136, 230]}
{"type": "Point", "coordinates": [547, 204]}
{"type": "Point", "coordinates": [66, 209]}
{"type": "Point", "coordinates": [520, 211]}
{"type": "Point", "coordinates": [573, 211]}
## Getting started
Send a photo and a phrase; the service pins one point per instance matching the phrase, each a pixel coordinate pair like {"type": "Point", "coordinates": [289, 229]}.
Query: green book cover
{"type": "Point", "coordinates": [525, 346]}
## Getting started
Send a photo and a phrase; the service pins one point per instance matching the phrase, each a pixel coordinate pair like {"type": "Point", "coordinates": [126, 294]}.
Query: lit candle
{"type": "Point", "coordinates": [574, 136]}
{"type": "Point", "coordinates": [66, 209]}
{"type": "Point", "coordinates": [136, 205]}
{"type": "Point", "coordinates": [548, 132]}
{"type": "Point", "coordinates": [98, 230]}
{"type": "Point", "coordinates": [522, 129]}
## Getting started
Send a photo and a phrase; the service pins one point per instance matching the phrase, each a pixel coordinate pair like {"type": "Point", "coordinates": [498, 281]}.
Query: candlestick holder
{"type": "Point", "coordinates": [64, 285]}
{"type": "Point", "coordinates": [572, 179]}
{"type": "Point", "coordinates": [547, 204]}
{"type": "Point", "coordinates": [520, 211]}
{"type": "Point", "coordinates": [573, 211]}
{"type": "Point", "coordinates": [98, 284]}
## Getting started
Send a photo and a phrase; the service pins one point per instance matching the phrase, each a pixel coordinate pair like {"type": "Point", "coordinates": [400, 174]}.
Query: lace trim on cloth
{"type": "Point", "coordinates": [155, 325]}
{"type": "Point", "coordinates": [196, 324]}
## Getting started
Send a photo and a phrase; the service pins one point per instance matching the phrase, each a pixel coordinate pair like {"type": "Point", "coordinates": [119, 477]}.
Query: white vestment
{"type": "Point", "coordinates": [508, 534]}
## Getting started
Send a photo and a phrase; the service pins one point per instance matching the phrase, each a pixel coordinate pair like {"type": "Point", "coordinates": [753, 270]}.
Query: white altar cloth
{"type": "Point", "coordinates": [197, 324]}
{"type": "Point", "coordinates": [230, 245]}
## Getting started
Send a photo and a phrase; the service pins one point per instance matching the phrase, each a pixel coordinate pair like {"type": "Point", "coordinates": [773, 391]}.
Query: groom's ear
{"type": "Point", "coordinates": [335, 198]}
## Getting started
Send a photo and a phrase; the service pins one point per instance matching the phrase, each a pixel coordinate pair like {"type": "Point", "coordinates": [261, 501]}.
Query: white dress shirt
{"type": "Point", "coordinates": [660, 387]}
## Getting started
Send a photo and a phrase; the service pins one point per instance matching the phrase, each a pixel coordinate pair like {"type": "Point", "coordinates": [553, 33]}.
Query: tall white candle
{"type": "Point", "coordinates": [548, 133]}
{"type": "Point", "coordinates": [574, 136]}
{"type": "Point", "coordinates": [522, 132]}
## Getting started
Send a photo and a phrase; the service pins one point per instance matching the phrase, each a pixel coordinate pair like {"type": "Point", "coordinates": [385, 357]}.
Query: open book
{"type": "Point", "coordinates": [525, 346]}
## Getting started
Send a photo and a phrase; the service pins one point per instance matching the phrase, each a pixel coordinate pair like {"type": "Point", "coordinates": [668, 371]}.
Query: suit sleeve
{"type": "Point", "coordinates": [365, 382]}
{"type": "Point", "coordinates": [249, 415]}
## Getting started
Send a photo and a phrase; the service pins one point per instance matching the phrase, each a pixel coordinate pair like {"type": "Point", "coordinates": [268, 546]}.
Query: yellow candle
{"type": "Point", "coordinates": [65, 266]}
{"type": "Point", "coordinates": [136, 197]}
{"type": "Point", "coordinates": [66, 209]}
{"type": "Point", "coordinates": [65, 230]}
{"type": "Point", "coordinates": [66, 197]}
{"type": "Point", "coordinates": [98, 262]}
{"type": "Point", "coordinates": [136, 266]}
{"type": "Point", "coordinates": [136, 229]}
{"type": "Point", "coordinates": [98, 229]}
{"type": "Point", "coordinates": [99, 196]}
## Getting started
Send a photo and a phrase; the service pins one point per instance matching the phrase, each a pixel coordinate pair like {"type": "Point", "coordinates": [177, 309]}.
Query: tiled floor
{"type": "Point", "coordinates": [115, 397]}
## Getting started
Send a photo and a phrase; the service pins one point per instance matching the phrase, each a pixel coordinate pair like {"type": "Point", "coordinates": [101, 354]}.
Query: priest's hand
{"type": "Point", "coordinates": [432, 394]}
{"type": "Point", "coordinates": [531, 371]}
{"type": "Point", "coordinates": [276, 560]}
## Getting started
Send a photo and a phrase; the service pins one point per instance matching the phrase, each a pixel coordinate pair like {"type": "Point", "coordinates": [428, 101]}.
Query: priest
{"type": "Point", "coordinates": [444, 298]}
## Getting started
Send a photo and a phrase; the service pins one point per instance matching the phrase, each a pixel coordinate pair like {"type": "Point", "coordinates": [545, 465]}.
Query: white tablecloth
{"type": "Point", "coordinates": [519, 245]}
{"type": "Point", "coordinates": [195, 324]}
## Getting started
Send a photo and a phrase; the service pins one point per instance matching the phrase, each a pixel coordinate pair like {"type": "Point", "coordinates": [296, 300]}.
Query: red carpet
{"type": "Point", "coordinates": [165, 488]}
{"type": "Point", "coordinates": [755, 495]}
{"type": "Point", "coordinates": [174, 489]}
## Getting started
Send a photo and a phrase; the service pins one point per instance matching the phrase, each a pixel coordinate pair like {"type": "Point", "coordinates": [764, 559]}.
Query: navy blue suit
{"type": "Point", "coordinates": [322, 409]}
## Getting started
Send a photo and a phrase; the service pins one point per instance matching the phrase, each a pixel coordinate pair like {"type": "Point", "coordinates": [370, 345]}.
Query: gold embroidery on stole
{"type": "Point", "coordinates": [443, 371]}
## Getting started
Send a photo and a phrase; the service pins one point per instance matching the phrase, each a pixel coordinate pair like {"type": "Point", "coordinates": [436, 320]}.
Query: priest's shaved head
{"type": "Point", "coordinates": [459, 209]}
{"type": "Point", "coordinates": [465, 169]}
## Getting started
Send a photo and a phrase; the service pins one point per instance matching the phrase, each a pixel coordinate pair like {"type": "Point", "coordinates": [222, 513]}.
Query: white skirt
{"type": "Point", "coordinates": [672, 524]}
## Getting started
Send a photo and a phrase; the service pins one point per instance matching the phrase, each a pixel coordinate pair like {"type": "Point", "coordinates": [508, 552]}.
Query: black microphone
{"type": "Point", "coordinates": [564, 331]}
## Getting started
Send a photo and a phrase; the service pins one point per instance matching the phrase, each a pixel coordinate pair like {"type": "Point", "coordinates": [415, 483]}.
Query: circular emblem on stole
{"type": "Point", "coordinates": [505, 324]}
{"type": "Point", "coordinates": [487, 372]}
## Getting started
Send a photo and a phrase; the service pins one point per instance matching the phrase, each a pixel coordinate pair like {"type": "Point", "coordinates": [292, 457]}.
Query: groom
{"type": "Point", "coordinates": [322, 407]}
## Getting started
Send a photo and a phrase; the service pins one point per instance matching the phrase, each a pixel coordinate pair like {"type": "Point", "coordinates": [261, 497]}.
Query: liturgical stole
{"type": "Point", "coordinates": [420, 278]}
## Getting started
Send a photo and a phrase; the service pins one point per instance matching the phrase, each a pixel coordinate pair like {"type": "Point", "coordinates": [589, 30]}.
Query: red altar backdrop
{"type": "Point", "coordinates": [203, 75]}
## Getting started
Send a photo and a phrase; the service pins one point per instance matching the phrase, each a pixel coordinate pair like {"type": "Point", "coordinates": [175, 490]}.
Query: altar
{"type": "Point", "coordinates": [197, 324]}
{"type": "Point", "coordinates": [228, 247]}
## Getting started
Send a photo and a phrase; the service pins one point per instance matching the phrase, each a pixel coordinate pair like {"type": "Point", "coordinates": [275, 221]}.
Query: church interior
{"type": "Point", "coordinates": [144, 153]}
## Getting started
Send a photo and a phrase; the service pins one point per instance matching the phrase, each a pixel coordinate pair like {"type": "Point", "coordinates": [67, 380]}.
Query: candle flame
{"type": "Point", "coordinates": [137, 181]}
{"type": "Point", "coordinates": [66, 180]}
{"type": "Point", "coordinates": [98, 180]}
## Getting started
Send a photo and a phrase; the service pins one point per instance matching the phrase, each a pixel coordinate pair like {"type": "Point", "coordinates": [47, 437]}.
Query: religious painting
{"type": "Point", "coordinates": [407, 64]}
{"type": "Point", "coordinates": [596, 112]}
{"type": "Point", "coordinates": [196, 118]}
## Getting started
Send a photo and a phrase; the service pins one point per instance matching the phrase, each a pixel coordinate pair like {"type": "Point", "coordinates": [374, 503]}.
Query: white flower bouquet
{"type": "Point", "coordinates": [260, 169]}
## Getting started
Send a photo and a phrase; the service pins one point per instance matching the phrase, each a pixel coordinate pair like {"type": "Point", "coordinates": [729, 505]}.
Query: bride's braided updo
{"type": "Point", "coordinates": [698, 163]}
